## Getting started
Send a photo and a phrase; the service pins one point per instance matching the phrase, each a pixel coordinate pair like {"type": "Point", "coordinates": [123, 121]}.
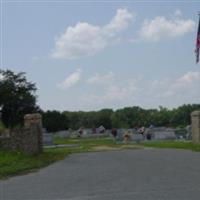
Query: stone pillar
{"type": "Point", "coordinates": [34, 123]}
{"type": "Point", "coordinates": [195, 120]}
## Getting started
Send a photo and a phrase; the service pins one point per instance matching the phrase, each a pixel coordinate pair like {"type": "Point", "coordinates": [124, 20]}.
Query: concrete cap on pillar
{"type": "Point", "coordinates": [196, 113]}
{"type": "Point", "coordinates": [34, 118]}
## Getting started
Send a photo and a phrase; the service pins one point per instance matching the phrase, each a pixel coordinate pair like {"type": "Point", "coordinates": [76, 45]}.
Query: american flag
{"type": "Point", "coordinates": [198, 43]}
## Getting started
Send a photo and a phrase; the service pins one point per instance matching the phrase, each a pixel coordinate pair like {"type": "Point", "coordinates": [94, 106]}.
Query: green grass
{"type": "Point", "coordinates": [13, 163]}
{"type": "Point", "coordinates": [173, 144]}
{"type": "Point", "coordinates": [87, 142]}
{"type": "Point", "coordinates": [90, 143]}
{"type": "Point", "coordinates": [2, 127]}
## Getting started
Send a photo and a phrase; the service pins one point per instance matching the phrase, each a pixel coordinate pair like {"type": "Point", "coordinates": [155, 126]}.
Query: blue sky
{"type": "Point", "coordinates": [88, 55]}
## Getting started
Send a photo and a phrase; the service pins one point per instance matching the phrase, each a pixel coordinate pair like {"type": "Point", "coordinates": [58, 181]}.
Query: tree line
{"type": "Point", "coordinates": [128, 117]}
{"type": "Point", "coordinates": [18, 97]}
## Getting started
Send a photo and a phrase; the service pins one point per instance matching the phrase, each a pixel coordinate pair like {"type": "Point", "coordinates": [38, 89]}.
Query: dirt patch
{"type": "Point", "coordinates": [109, 148]}
{"type": "Point", "coordinates": [131, 146]}
{"type": "Point", "coordinates": [104, 148]}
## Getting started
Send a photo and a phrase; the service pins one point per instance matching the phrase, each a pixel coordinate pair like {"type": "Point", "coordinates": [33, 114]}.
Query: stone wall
{"type": "Point", "coordinates": [27, 139]}
{"type": "Point", "coordinates": [5, 142]}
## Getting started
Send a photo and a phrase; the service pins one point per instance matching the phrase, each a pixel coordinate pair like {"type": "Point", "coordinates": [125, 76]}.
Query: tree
{"type": "Point", "coordinates": [17, 97]}
{"type": "Point", "coordinates": [55, 121]}
{"type": "Point", "coordinates": [181, 116]}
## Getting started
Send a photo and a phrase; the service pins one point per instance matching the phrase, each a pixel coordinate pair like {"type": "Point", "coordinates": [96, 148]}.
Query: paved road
{"type": "Point", "coordinates": [151, 174]}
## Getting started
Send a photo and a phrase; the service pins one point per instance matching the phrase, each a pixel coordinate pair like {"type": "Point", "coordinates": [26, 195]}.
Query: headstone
{"type": "Point", "coordinates": [128, 135]}
{"type": "Point", "coordinates": [137, 137]}
{"type": "Point", "coordinates": [181, 133]}
{"type": "Point", "coordinates": [87, 131]}
{"type": "Point", "coordinates": [101, 129]}
{"type": "Point", "coordinates": [117, 134]}
{"type": "Point", "coordinates": [63, 134]}
{"type": "Point", "coordinates": [47, 139]}
{"type": "Point", "coordinates": [163, 135]}
{"type": "Point", "coordinates": [189, 132]}
{"type": "Point", "coordinates": [195, 118]}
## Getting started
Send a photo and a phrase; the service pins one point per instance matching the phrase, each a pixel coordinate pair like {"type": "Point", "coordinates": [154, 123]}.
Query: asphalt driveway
{"type": "Point", "coordinates": [149, 174]}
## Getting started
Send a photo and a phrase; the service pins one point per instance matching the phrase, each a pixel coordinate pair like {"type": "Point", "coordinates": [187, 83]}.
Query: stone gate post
{"type": "Point", "coordinates": [33, 122]}
{"type": "Point", "coordinates": [195, 120]}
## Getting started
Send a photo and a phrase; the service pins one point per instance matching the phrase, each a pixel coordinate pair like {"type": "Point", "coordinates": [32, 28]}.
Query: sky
{"type": "Point", "coordinates": [89, 55]}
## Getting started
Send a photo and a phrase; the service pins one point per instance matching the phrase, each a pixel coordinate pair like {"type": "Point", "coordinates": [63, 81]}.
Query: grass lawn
{"type": "Point", "coordinates": [173, 144]}
{"type": "Point", "coordinates": [2, 127]}
{"type": "Point", "coordinates": [13, 163]}
{"type": "Point", "coordinates": [89, 144]}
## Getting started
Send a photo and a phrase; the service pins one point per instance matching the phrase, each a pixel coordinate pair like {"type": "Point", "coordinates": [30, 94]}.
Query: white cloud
{"type": "Point", "coordinates": [81, 40]}
{"type": "Point", "coordinates": [183, 88]}
{"type": "Point", "coordinates": [186, 83]}
{"type": "Point", "coordinates": [189, 77]}
{"type": "Point", "coordinates": [101, 79]}
{"type": "Point", "coordinates": [120, 21]}
{"type": "Point", "coordinates": [173, 92]}
{"type": "Point", "coordinates": [110, 89]}
{"type": "Point", "coordinates": [117, 92]}
{"type": "Point", "coordinates": [85, 39]}
{"type": "Point", "coordinates": [113, 90]}
{"type": "Point", "coordinates": [170, 92]}
{"type": "Point", "coordinates": [71, 80]}
{"type": "Point", "coordinates": [161, 27]}
{"type": "Point", "coordinates": [112, 94]}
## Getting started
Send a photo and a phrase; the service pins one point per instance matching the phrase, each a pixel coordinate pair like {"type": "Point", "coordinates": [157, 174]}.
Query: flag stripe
{"type": "Point", "coordinates": [198, 43]}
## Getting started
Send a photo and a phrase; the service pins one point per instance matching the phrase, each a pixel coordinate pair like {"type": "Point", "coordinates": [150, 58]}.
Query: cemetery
{"type": "Point", "coordinates": [34, 143]}
{"type": "Point", "coordinates": [35, 140]}
{"type": "Point", "coordinates": [150, 134]}
{"type": "Point", "coordinates": [33, 133]}
{"type": "Point", "coordinates": [26, 137]}
{"type": "Point", "coordinates": [99, 100]}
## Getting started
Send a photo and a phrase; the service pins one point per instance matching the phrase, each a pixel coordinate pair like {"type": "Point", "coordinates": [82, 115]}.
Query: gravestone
{"type": "Point", "coordinates": [160, 133]}
{"type": "Point", "coordinates": [47, 138]}
{"type": "Point", "coordinates": [101, 129]}
{"type": "Point", "coordinates": [63, 134]}
{"type": "Point", "coordinates": [128, 135]}
{"type": "Point", "coordinates": [188, 132]}
{"type": "Point", "coordinates": [163, 135]}
{"type": "Point", "coordinates": [195, 118]}
{"type": "Point", "coordinates": [181, 133]}
{"type": "Point", "coordinates": [137, 137]}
